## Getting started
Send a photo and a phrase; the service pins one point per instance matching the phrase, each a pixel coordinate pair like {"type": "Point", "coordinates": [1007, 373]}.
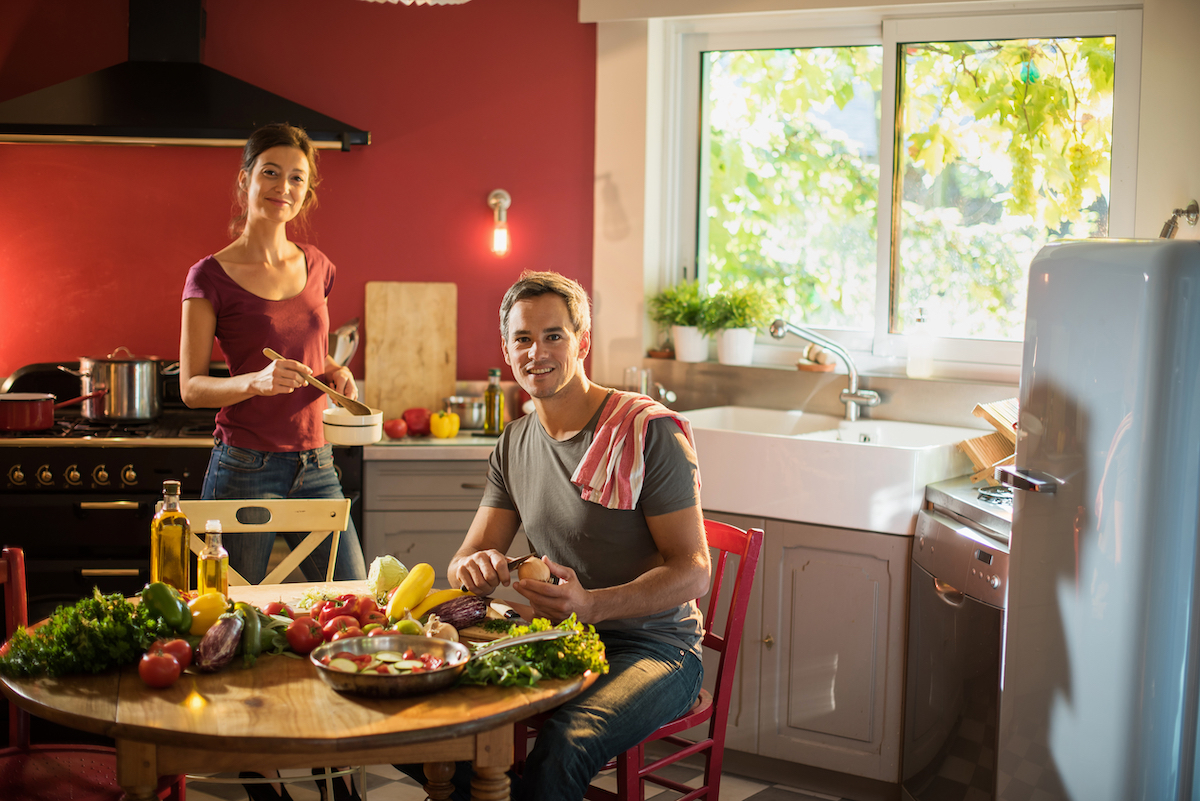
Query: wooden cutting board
{"type": "Point", "coordinates": [411, 342]}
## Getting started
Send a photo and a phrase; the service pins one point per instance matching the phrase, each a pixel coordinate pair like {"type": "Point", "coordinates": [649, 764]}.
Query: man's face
{"type": "Point", "coordinates": [543, 350]}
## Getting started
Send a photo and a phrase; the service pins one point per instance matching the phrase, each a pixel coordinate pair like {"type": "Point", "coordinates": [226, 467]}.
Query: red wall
{"type": "Point", "coordinates": [95, 241]}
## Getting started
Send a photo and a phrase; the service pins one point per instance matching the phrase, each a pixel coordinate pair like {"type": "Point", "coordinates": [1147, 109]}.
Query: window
{"type": "Point", "coordinates": [864, 173]}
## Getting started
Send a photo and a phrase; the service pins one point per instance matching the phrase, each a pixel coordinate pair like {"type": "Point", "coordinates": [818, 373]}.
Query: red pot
{"type": "Point", "coordinates": [32, 411]}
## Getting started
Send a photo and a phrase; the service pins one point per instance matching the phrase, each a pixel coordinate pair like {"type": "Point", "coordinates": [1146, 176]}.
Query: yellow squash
{"type": "Point", "coordinates": [411, 591]}
{"type": "Point", "coordinates": [436, 599]}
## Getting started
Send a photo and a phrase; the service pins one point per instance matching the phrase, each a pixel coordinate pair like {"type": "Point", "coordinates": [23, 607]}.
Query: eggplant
{"type": "Point", "coordinates": [220, 643]}
{"type": "Point", "coordinates": [463, 611]}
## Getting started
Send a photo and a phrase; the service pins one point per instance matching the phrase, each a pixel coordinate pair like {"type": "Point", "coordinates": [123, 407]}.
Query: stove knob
{"type": "Point", "coordinates": [72, 474]}
{"type": "Point", "coordinates": [100, 474]}
{"type": "Point", "coordinates": [128, 476]}
{"type": "Point", "coordinates": [16, 475]}
{"type": "Point", "coordinates": [44, 476]}
{"type": "Point", "coordinates": [995, 582]}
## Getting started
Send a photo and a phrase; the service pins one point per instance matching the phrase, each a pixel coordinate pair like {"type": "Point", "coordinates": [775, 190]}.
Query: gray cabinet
{"type": "Point", "coordinates": [820, 675]}
{"type": "Point", "coordinates": [832, 652]}
{"type": "Point", "coordinates": [419, 511]}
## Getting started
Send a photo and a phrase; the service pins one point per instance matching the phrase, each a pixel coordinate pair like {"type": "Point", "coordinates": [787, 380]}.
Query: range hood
{"type": "Point", "coordinates": [162, 95]}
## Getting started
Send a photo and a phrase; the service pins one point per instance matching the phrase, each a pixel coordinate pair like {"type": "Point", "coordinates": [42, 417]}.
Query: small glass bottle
{"type": "Point", "coordinates": [493, 405]}
{"type": "Point", "coordinates": [170, 535]}
{"type": "Point", "coordinates": [212, 565]}
{"type": "Point", "coordinates": [920, 348]}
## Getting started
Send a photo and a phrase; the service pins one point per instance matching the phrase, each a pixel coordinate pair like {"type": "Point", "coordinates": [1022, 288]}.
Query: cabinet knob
{"type": "Point", "coordinates": [768, 641]}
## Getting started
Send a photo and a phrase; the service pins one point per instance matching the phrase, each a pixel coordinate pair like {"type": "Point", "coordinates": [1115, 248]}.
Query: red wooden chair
{"type": "Point", "coordinates": [53, 772]}
{"type": "Point", "coordinates": [711, 708]}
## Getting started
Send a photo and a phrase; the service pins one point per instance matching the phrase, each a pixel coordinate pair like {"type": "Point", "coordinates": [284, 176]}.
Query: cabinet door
{"type": "Point", "coordinates": [414, 537]}
{"type": "Point", "coordinates": [834, 607]}
{"type": "Point", "coordinates": [423, 485]}
{"type": "Point", "coordinates": [741, 733]}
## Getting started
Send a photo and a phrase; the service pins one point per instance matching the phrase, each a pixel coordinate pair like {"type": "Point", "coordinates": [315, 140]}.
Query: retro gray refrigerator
{"type": "Point", "coordinates": [1101, 670]}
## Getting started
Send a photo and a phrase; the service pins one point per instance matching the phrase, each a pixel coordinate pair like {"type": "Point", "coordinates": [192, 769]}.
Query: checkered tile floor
{"type": "Point", "coordinates": [385, 783]}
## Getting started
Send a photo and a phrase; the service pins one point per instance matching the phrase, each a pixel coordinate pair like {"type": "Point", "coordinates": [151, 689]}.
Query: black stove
{"type": "Point", "coordinates": [78, 497]}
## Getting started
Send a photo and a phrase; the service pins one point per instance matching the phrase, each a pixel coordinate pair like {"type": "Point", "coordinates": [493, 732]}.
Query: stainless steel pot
{"type": "Point", "coordinates": [470, 410]}
{"type": "Point", "coordinates": [130, 386]}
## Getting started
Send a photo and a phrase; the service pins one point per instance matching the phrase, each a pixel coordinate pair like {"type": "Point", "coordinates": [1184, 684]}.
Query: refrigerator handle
{"type": "Point", "coordinates": [1020, 479]}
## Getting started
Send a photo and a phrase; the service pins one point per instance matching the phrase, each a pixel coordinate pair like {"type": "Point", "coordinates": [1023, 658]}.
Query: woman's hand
{"type": "Point", "coordinates": [280, 377]}
{"type": "Point", "coordinates": [342, 380]}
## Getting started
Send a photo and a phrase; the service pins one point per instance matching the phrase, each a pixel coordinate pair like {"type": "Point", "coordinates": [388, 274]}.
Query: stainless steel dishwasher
{"type": "Point", "coordinates": [955, 642]}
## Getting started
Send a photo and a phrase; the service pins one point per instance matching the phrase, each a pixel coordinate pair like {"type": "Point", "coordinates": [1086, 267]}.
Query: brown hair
{"type": "Point", "coordinates": [262, 140]}
{"type": "Point", "coordinates": [533, 284]}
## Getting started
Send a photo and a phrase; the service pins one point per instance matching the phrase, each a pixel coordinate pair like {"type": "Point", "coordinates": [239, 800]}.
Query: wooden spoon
{"type": "Point", "coordinates": [352, 406]}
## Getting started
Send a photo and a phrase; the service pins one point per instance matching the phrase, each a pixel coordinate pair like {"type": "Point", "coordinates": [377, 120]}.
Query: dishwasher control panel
{"type": "Point", "coordinates": [971, 562]}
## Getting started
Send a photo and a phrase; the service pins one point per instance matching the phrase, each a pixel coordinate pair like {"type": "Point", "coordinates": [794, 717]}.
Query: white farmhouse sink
{"type": "Point", "coordinates": [812, 468]}
{"type": "Point", "coordinates": [760, 421]}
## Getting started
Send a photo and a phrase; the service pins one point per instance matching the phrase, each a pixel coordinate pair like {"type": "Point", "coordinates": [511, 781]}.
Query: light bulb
{"type": "Point", "coordinates": [500, 239]}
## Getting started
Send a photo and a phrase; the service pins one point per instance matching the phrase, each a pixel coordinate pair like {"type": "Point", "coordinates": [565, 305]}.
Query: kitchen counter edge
{"type": "Point", "coordinates": [461, 448]}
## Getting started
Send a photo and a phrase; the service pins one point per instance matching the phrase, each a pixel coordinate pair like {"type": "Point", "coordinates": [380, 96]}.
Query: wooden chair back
{"type": "Point", "coordinates": [321, 517]}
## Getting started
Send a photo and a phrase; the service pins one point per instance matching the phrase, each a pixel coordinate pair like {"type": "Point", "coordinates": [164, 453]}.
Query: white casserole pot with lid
{"type": "Point", "coordinates": [344, 428]}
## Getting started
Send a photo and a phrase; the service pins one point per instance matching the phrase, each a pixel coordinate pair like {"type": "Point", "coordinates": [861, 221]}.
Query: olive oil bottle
{"type": "Point", "coordinates": [493, 405]}
{"type": "Point", "coordinates": [170, 533]}
{"type": "Point", "coordinates": [212, 566]}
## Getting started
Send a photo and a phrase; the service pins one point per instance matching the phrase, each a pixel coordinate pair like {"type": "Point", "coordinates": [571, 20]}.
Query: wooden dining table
{"type": "Point", "coordinates": [280, 714]}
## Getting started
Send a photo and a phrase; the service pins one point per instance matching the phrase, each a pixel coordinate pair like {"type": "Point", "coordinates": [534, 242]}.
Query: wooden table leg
{"type": "Point", "coordinates": [437, 780]}
{"type": "Point", "coordinates": [137, 770]}
{"type": "Point", "coordinates": [493, 758]}
{"type": "Point", "coordinates": [489, 784]}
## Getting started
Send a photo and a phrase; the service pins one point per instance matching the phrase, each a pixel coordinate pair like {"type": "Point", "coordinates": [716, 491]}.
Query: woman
{"type": "Point", "coordinates": [263, 290]}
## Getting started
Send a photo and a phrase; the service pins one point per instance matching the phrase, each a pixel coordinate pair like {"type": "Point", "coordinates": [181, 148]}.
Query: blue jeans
{"type": "Point", "coordinates": [648, 683]}
{"type": "Point", "coordinates": [240, 474]}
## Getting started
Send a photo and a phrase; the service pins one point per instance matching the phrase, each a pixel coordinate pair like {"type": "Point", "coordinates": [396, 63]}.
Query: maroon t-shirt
{"type": "Point", "coordinates": [297, 328]}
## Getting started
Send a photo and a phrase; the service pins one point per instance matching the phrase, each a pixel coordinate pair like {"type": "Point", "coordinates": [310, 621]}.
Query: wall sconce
{"type": "Point", "coordinates": [1191, 213]}
{"type": "Point", "coordinates": [499, 201]}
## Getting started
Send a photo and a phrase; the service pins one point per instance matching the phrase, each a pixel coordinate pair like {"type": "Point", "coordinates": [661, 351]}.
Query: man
{"type": "Point", "coordinates": [632, 572]}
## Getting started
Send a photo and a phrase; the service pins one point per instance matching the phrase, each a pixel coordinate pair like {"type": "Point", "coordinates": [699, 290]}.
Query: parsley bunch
{"type": "Point", "coordinates": [92, 636]}
{"type": "Point", "coordinates": [553, 659]}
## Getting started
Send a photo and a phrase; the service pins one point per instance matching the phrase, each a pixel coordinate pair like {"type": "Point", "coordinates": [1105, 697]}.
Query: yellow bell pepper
{"type": "Point", "coordinates": [205, 610]}
{"type": "Point", "coordinates": [444, 424]}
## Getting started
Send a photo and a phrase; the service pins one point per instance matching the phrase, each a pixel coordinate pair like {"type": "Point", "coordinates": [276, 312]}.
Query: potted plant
{"type": "Point", "coordinates": [735, 317]}
{"type": "Point", "coordinates": [682, 308]}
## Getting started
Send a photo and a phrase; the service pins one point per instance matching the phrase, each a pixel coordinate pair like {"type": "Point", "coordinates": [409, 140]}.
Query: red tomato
{"type": "Point", "coordinates": [279, 608]}
{"type": "Point", "coordinates": [317, 608]}
{"type": "Point", "coordinates": [304, 634]}
{"type": "Point", "coordinates": [418, 421]}
{"type": "Point", "coordinates": [346, 633]}
{"type": "Point", "coordinates": [339, 623]}
{"type": "Point", "coordinates": [158, 669]}
{"type": "Point", "coordinates": [176, 648]}
{"type": "Point", "coordinates": [395, 429]}
{"type": "Point", "coordinates": [374, 616]}
{"type": "Point", "coordinates": [380, 632]}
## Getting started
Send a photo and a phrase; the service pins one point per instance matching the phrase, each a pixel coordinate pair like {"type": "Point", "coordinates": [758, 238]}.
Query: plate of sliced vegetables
{"type": "Point", "coordinates": [400, 665]}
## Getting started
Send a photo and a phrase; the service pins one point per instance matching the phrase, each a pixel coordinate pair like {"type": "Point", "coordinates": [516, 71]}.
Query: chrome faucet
{"type": "Point", "coordinates": [852, 396]}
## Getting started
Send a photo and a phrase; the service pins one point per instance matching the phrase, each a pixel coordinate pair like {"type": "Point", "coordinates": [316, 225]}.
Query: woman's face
{"type": "Point", "coordinates": [277, 186]}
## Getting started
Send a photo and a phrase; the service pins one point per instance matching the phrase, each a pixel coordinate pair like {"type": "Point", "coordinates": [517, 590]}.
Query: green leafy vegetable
{"type": "Point", "coordinates": [92, 636]}
{"type": "Point", "coordinates": [552, 659]}
{"type": "Point", "coordinates": [497, 625]}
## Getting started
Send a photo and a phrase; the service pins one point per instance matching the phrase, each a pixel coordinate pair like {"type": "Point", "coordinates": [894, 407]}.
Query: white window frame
{"type": "Point", "coordinates": [879, 350]}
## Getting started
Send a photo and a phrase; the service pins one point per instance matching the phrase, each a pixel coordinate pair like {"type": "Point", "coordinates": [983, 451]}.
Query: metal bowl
{"type": "Point", "coordinates": [377, 685]}
{"type": "Point", "coordinates": [470, 411]}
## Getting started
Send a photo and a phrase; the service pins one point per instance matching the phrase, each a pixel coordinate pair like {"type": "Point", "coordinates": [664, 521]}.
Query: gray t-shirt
{"type": "Point", "coordinates": [530, 473]}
